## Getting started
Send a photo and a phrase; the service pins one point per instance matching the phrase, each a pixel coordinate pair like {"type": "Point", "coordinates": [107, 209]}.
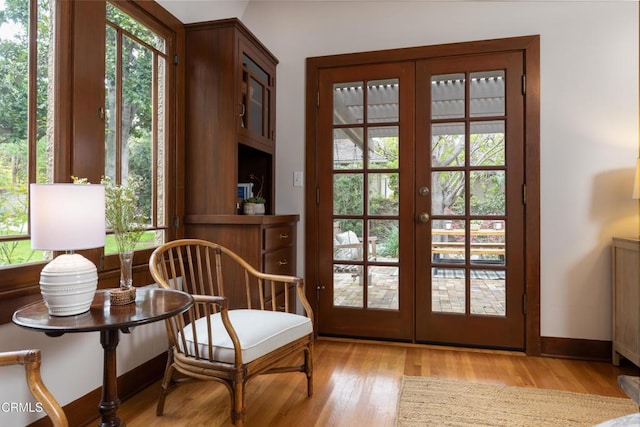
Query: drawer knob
{"type": "Point", "coordinates": [284, 236]}
{"type": "Point", "coordinates": [283, 262]}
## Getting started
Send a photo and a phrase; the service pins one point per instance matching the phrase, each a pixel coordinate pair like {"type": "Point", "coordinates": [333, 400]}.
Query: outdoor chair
{"type": "Point", "coordinates": [31, 360]}
{"type": "Point", "coordinates": [231, 346]}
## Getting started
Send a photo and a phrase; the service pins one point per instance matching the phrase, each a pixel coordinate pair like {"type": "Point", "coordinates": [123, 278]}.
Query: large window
{"type": "Point", "coordinates": [26, 118]}
{"type": "Point", "coordinates": [89, 94]}
{"type": "Point", "coordinates": [135, 116]}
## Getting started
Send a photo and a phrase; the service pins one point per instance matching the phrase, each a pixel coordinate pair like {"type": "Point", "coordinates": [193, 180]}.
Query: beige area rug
{"type": "Point", "coordinates": [438, 402]}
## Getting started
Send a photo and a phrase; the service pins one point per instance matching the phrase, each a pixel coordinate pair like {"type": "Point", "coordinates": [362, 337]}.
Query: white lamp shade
{"type": "Point", "coordinates": [636, 182]}
{"type": "Point", "coordinates": [67, 216]}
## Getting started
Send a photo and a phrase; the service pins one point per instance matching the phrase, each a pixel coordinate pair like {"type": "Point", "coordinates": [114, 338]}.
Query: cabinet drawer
{"type": "Point", "coordinates": [279, 237]}
{"type": "Point", "coordinates": [282, 261]}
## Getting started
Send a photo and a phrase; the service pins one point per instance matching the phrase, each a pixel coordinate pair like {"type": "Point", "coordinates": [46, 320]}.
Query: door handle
{"type": "Point", "coordinates": [423, 191]}
{"type": "Point", "coordinates": [423, 217]}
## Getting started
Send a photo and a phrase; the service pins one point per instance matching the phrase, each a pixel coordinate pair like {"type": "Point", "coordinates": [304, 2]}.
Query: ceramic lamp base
{"type": "Point", "coordinates": [68, 284]}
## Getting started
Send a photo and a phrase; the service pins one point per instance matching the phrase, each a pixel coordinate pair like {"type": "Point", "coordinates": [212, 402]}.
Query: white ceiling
{"type": "Point", "coordinates": [189, 11]}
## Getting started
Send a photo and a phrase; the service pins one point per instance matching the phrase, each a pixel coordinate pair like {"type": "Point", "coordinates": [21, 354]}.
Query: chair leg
{"type": "Point", "coordinates": [238, 411]}
{"type": "Point", "coordinates": [166, 383]}
{"type": "Point", "coordinates": [308, 363]}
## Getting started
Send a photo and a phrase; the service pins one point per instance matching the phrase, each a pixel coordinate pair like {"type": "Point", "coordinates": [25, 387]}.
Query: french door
{"type": "Point", "coordinates": [469, 237]}
{"type": "Point", "coordinates": [420, 198]}
{"type": "Point", "coordinates": [365, 204]}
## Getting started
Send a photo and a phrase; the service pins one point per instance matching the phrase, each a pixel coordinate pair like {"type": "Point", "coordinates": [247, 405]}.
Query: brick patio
{"type": "Point", "coordinates": [487, 293]}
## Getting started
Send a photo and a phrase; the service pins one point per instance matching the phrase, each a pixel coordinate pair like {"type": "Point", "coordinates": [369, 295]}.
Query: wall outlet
{"type": "Point", "coordinates": [298, 179]}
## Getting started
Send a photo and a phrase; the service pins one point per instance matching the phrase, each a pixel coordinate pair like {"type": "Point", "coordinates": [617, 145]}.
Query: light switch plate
{"type": "Point", "coordinates": [298, 179]}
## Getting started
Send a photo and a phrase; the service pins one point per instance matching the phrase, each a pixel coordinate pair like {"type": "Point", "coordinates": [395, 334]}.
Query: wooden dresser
{"type": "Point", "coordinates": [625, 267]}
{"type": "Point", "coordinates": [267, 242]}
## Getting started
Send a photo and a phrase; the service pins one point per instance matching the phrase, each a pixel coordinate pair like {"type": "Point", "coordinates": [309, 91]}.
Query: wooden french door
{"type": "Point", "coordinates": [365, 210]}
{"type": "Point", "coordinates": [420, 200]}
{"type": "Point", "coordinates": [469, 236]}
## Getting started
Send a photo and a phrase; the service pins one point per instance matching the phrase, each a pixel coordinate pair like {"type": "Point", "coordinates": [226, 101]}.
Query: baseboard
{"type": "Point", "coordinates": [84, 410]}
{"type": "Point", "coordinates": [573, 348]}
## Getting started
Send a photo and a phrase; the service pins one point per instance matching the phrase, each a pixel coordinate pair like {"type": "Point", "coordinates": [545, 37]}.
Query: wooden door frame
{"type": "Point", "coordinates": [529, 46]}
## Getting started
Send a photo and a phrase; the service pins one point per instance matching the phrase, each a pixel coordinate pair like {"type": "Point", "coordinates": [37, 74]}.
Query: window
{"type": "Point", "coordinates": [53, 126]}
{"type": "Point", "coordinates": [135, 116]}
{"type": "Point", "coordinates": [26, 144]}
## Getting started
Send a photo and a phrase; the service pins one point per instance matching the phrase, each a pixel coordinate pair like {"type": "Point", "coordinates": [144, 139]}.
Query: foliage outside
{"type": "Point", "coordinates": [140, 65]}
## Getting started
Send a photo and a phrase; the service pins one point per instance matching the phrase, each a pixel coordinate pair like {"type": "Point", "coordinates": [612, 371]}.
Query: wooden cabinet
{"type": "Point", "coordinates": [625, 267]}
{"type": "Point", "coordinates": [267, 242]}
{"type": "Point", "coordinates": [230, 116]}
{"type": "Point", "coordinates": [230, 134]}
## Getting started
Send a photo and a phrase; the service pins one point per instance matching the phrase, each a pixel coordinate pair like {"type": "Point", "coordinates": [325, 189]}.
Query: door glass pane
{"type": "Point", "coordinates": [487, 143]}
{"type": "Point", "coordinates": [488, 296]}
{"type": "Point", "coordinates": [448, 290]}
{"type": "Point", "coordinates": [382, 287]}
{"type": "Point", "coordinates": [348, 194]}
{"type": "Point", "coordinates": [384, 240]}
{"type": "Point", "coordinates": [488, 242]}
{"type": "Point", "coordinates": [383, 194]}
{"type": "Point", "coordinates": [447, 96]}
{"type": "Point", "coordinates": [382, 101]}
{"type": "Point", "coordinates": [383, 147]}
{"type": "Point", "coordinates": [448, 241]}
{"type": "Point", "coordinates": [447, 193]}
{"type": "Point", "coordinates": [347, 148]}
{"type": "Point", "coordinates": [348, 103]}
{"type": "Point", "coordinates": [447, 144]}
{"type": "Point", "coordinates": [347, 240]}
{"type": "Point", "coordinates": [486, 96]}
{"type": "Point", "coordinates": [348, 285]}
{"type": "Point", "coordinates": [366, 147]}
{"type": "Point", "coordinates": [487, 192]}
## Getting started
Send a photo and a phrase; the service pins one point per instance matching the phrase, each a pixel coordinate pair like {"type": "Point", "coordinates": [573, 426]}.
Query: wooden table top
{"type": "Point", "coordinates": [150, 306]}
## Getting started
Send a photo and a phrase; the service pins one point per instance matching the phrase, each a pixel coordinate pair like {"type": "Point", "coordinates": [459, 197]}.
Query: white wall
{"type": "Point", "coordinates": [71, 364]}
{"type": "Point", "coordinates": [589, 119]}
{"type": "Point", "coordinates": [589, 142]}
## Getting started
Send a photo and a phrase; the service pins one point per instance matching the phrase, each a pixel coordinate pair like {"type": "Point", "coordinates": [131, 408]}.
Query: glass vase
{"type": "Point", "coordinates": [126, 270]}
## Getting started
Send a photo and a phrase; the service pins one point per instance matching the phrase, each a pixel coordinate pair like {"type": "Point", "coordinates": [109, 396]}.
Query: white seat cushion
{"type": "Point", "coordinates": [259, 331]}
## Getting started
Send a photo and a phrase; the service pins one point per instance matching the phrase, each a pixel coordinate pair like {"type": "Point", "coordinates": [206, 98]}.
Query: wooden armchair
{"type": "Point", "coordinates": [31, 360]}
{"type": "Point", "coordinates": [212, 341]}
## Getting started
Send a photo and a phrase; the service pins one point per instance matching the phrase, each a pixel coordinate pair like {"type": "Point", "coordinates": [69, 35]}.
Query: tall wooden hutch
{"type": "Point", "coordinates": [230, 134]}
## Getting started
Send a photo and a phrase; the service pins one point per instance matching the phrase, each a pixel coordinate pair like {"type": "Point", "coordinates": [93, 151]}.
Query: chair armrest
{"type": "Point", "coordinates": [31, 361]}
{"type": "Point", "coordinates": [221, 302]}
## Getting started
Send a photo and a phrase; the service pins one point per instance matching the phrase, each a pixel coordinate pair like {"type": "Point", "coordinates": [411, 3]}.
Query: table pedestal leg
{"type": "Point", "coordinates": [109, 402]}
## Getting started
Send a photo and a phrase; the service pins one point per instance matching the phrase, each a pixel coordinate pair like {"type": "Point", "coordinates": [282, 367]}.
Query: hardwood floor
{"type": "Point", "coordinates": [357, 384]}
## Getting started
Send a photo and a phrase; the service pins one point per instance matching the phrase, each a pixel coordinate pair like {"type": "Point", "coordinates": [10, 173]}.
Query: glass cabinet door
{"type": "Point", "coordinates": [257, 86]}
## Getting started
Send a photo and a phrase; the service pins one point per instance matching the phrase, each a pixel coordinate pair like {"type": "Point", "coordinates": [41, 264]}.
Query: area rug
{"type": "Point", "coordinates": [426, 401]}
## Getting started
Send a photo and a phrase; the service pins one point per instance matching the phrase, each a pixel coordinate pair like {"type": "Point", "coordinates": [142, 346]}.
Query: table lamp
{"type": "Point", "coordinates": [67, 217]}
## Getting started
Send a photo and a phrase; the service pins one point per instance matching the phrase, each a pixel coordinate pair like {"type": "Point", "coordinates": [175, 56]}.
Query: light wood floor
{"type": "Point", "coordinates": [357, 384]}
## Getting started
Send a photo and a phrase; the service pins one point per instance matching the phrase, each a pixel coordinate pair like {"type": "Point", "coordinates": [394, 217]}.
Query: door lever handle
{"type": "Point", "coordinates": [423, 217]}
